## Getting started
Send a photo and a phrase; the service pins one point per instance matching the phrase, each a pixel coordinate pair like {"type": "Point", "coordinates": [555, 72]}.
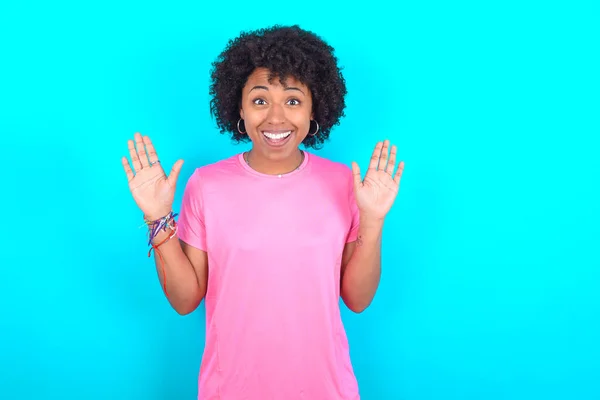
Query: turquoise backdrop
{"type": "Point", "coordinates": [491, 276]}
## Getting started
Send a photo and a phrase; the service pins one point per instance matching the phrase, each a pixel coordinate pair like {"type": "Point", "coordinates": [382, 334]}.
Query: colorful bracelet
{"type": "Point", "coordinates": [154, 227]}
{"type": "Point", "coordinates": [161, 224]}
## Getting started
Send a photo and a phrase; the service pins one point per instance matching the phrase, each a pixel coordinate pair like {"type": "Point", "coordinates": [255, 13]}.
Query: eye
{"type": "Point", "coordinates": [259, 102]}
{"type": "Point", "coordinates": [294, 102]}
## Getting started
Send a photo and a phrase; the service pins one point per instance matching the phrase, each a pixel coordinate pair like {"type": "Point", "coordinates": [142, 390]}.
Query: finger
{"type": "Point", "coordinates": [141, 150]}
{"type": "Point", "coordinates": [127, 168]}
{"type": "Point", "coordinates": [399, 172]}
{"type": "Point", "coordinates": [152, 156]}
{"type": "Point", "coordinates": [356, 175]}
{"type": "Point", "coordinates": [392, 162]}
{"type": "Point", "coordinates": [375, 157]}
{"type": "Point", "coordinates": [172, 179]}
{"type": "Point", "coordinates": [135, 160]}
{"type": "Point", "coordinates": [383, 160]}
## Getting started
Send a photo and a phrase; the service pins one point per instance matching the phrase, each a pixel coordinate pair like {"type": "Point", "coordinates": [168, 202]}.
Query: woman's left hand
{"type": "Point", "coordinates": [376, 193]}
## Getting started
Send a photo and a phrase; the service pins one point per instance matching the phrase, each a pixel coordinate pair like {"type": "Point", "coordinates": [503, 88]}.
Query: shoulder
{"type": "Point", "coordinates": [216, 171]}
{"type": "Point", "coordinates": [329, 169]}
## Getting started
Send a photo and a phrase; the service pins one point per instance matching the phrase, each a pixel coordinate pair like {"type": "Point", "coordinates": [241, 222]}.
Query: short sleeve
{"type": "Point", "coordinates": [354, 212]}
{"type": "Point", "coordinates": [190, 224]}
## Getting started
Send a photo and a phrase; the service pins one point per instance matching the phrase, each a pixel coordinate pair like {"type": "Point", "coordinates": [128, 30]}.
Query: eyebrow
{"type": "Point", "coordinates": [286, 88]}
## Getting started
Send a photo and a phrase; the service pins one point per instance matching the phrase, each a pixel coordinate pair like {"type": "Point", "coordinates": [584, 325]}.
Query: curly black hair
{"type": "Point", "coordinates": [284, 51]}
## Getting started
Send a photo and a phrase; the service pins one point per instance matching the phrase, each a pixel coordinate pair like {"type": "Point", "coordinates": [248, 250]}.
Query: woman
{"type": "Point", "coordinates": [272, 237]}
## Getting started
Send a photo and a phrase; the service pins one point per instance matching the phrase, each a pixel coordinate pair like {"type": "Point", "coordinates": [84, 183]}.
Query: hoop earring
{"type": "Point", "coordinates": [238, 127]}
{"type": "Point", "coordinates": [317, 131]}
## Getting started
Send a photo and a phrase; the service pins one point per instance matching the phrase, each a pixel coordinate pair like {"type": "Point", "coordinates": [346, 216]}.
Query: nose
{"type": "Point", "coordinates": [276, 114]}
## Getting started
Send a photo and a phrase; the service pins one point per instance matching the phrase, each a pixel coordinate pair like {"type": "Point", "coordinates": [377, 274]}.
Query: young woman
{"type": "Point", "coordinates": [272, 237]}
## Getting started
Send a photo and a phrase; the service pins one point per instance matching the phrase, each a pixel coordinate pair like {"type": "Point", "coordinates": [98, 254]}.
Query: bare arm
{"type": "Point", "coordinates": [186, 270]}
{"type": "Point", "coordinates": [182, 269]}
{"type": "Point", "coordinates": [361, 266]}
{"type": "Point", "coordinates": [375, 194]}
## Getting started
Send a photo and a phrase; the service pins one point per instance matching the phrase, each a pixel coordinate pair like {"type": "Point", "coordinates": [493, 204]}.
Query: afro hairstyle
{"type": "Point", "coordinates": [285, 51]}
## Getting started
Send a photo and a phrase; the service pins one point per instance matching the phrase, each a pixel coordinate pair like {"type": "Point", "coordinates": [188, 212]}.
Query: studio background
{"type": "Point", "coordinates": [491, 266]}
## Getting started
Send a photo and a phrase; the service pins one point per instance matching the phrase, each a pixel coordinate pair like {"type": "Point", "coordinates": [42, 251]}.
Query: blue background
{"type": "Point", "coordinates": [491, 281]}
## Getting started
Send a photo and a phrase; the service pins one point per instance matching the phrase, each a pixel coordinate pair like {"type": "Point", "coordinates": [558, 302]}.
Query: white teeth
{"type": "Point", "coordinates": [277, 136]}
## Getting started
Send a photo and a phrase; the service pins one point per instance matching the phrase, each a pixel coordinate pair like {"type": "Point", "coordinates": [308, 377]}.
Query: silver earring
{"type": "Point", "coordinates": [238, 127]}
{"type": "Point", "coordinates": [318, 127]}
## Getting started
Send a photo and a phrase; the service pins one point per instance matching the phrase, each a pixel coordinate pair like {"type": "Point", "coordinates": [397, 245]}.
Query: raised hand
{"type": "Point", "coordinates": [376, 193]}
{"type": "Point", "coordinates": [152, 190]}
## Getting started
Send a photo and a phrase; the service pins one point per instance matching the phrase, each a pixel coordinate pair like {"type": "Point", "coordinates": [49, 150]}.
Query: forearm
{"type": "Point", "coordinates": [363, 271]}
{"type": "Point", "coordinates": [176, 274]}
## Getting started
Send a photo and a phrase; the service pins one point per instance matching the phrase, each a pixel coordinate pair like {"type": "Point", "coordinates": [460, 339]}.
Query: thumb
{"type": "Point", "coordinates": [356, 175]}
{"type": "Point", "coordinates": [172, 179]}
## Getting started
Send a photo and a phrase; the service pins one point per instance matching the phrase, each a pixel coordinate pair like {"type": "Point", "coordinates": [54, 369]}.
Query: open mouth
{"type": "Point", "coordinates": [277, 138]}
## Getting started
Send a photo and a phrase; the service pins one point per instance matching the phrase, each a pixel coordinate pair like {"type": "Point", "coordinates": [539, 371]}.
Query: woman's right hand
{"type": "Point", "coordinates": [152, 190]}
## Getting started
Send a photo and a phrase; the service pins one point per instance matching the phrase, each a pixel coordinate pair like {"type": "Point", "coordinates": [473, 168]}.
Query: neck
{"type": "Point", "coordinates": [274, 167]}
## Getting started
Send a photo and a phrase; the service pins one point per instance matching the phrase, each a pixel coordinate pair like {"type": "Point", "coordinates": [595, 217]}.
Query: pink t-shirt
{"type": "Point", "coordinates": [274, 245]}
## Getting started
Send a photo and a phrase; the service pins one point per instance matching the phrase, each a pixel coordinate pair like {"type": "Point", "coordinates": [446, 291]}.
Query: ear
{"type": "Point", "coordinates": [241, 113]}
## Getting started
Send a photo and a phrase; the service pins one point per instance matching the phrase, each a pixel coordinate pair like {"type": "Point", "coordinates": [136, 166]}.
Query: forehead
{"type": "Point", "coordinates": [260, 76]}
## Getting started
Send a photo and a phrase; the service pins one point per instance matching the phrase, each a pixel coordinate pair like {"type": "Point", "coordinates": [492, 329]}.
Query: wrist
{"type": "Point", "coordinates": [162, 235]}
{"type": "Point", "coordinates": [370, 231]}
{"type": "Point", "coordinates": [161, 228]}
{"type": "Point", "coordinates": [155, 216]}
{"type": "Point", "coordinates": [370, 222]}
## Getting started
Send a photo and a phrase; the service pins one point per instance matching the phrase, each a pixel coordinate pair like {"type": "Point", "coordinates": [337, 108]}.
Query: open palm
{"type": "Point", "coordinates": [152, 190]}
{"type": "Point", "coordinates": [376, 193]}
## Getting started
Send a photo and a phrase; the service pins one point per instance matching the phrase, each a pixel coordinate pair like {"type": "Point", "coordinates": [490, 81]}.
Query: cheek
{"type": "Point", "coordinates": [253, 118]}
{"type": "Point", "coordinates": [300, 119]}
{"type": "Point", "coordinates": [304, 124]}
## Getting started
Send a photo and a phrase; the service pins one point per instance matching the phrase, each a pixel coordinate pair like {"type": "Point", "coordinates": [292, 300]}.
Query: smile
{"type": "Point", "coordinates": [277, 139]}
{"type": "Point", "coordinates": [277, 135]}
